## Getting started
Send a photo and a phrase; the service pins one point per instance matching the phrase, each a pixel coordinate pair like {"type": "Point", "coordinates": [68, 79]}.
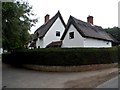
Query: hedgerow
{"type": "Point", "coordinates": [62, 56]}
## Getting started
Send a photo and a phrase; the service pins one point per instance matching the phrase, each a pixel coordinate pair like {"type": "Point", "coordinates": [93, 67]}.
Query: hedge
{"type": "Point", "coordinates": [62, 56]}
{"type": "Point", "coordinates": [119, 55]}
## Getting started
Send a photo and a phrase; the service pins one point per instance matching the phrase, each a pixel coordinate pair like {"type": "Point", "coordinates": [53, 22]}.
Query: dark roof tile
{"type": "Point", "coordinates": [32, 44]}
{"type": "Point", "coordinates": [55, 44]}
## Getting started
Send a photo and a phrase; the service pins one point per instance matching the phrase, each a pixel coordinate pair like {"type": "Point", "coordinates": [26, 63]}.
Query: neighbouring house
{"type": "Point", "coordinates": [84, 34]}
{"type": "Point", "coordinates": [49, 33]}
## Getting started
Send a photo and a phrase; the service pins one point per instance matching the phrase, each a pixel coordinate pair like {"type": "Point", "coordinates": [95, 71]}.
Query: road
{"type": "Point", "coordinates": [0, 73]}
{"type": "Point", "coordinates": [112, 83]}
{"type": "Point", "coordinates": [23, 78]}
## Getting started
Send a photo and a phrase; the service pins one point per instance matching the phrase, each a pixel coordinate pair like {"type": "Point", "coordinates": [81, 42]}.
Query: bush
{"type": "Point", "coordinates": [62, 56]}
{"type": "Point", "coordinates": [119, 55]}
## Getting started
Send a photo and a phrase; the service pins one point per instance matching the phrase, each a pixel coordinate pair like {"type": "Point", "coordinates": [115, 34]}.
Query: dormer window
{"type": "Point", "coordinates": [58, 33]}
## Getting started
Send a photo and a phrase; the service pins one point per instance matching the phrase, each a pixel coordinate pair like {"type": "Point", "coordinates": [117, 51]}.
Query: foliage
{"type": "Point", "coordinates": [16, 22]}
{"type": "Point", "coordinates": [119, 55]}
{"type": "Point", "coordinates": [62, 57]}
{"type": "Point", "coordinates": [115, 32]}
{"type": "Point", "coordinates": [0, 24]}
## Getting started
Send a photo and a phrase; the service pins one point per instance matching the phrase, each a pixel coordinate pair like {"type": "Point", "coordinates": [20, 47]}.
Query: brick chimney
{"type": "Point", "coordinates": [47, 17]}
{"type": "Point", "coordinates": [90, 19]}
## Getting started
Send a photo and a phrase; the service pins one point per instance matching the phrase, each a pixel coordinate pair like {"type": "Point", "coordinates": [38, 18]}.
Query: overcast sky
{"type": "Point", "coordinates": [105, 12]}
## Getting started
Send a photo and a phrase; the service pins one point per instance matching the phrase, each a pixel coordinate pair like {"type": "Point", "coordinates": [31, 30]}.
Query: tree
{"type": "Point", "coordinates": [115, 32]}
{"type": "Point", "coordinates": [16, 23]}
{"type": "Point", "coordinates": [0, 25]}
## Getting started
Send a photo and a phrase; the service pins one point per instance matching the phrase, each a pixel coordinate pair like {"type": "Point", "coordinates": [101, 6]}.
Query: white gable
{"type": "Point", "coordinates": [50, 36]}
{"type": "Point", "coordinates": [39, 43]}
{"type": "Point", "coordinates": [77, 41]}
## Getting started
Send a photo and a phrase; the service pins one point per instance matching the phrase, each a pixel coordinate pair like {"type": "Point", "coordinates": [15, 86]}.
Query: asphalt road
{"type": "Point", "coordinates": [112, 83]}
{"type": "Point", "coordinates": [0, 73]}
{"type": "Point", "coordinates": [23, 78]}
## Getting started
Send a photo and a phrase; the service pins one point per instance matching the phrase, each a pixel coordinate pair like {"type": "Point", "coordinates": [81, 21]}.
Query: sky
{"type": "Point", "coordinates": [105, 12]}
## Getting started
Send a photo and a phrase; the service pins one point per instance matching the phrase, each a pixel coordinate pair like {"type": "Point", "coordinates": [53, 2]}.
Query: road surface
{"type": "Point", "coordinates": [0, 73]}
{"type": "Point", "coordinates": [23, 78]}
{"type": "Point", "coordinates": [112, 83]}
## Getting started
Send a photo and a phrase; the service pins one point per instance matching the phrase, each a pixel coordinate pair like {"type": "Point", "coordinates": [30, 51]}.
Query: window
{"type": "Point", "coordinates": [107, 43]}
{"type": "Point", "coordinates": [71, 35]}
{"type": "Point", "coordinates": [38, 46]}
{"type": "Point", "coordinates": [58, 33]}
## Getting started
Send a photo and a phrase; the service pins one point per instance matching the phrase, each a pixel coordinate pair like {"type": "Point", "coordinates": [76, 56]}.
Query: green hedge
{"type": "Point", "coordinates": [119, 55]}
{"type": "Point", "coordinates": [62, 56]}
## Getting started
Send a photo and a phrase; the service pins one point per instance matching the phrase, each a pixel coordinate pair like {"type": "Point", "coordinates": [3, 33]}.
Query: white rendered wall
{"type": "Point", "coordinates": [77, 41]}
{"type": "Point", "coordinates": [51, 34]}
{"type": "Point", "coordinates": [89, 42]}
{"type": "Point", "coordinates": [39, 42]}
{"type": "Point", "coordinates": [1, 50]}
{"type": "Point", "coordinates": [28, 46]}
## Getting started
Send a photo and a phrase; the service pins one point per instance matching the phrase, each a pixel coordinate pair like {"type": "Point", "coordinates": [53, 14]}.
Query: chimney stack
{"type": "Point", "coordinates": [47, 17]}
{"type": "Point", "coordinates": [90, 19]}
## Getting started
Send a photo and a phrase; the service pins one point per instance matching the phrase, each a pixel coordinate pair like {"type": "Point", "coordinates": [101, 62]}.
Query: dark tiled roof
{"type": "Point", "coordinates": [42, 30]}
{"type": "Point", "coordinates": [33, 44]}
{"type": "Point", "coordinates": [88, 30]}
{"type": "Point", "coordinates": [55, 44]}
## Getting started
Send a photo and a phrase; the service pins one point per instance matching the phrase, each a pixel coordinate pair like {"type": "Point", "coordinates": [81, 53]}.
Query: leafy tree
{"type": "Point", "coordinates": [0, 26]}
{"type": "Point", "coordinates": [16, 23]}
{"type": "Point", "coordinates": [115, 32]}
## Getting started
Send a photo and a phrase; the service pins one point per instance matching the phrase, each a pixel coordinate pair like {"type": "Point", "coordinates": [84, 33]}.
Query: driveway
{"type": "Point", "coordinates": [23, 78]}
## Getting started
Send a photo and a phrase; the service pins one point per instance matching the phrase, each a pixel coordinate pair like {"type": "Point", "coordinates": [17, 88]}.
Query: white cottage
{"type": "Point", "coordinates": [77, 33]}
{"type": "Point", "coordinates": [50, 32]}
{"type": "Point", "coordinates": [84, 34]}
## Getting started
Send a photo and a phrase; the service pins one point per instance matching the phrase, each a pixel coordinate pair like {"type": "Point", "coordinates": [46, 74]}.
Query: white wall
{"type": "Point", "coordinates": [28, 45]}
{"type": "Point", "coordinates": [89, 42]}
{"type": "Point", "coordinates": [77, 41]}
{"type": "Point", "coordinates": [39, 42]}
{"type": "Point", "coordinates": [1, 50]}
{"type": "Point", "coordinates": [51, 34]}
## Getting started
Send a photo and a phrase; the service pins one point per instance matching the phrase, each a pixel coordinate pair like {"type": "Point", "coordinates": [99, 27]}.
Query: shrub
{"type": "Point", "coordinates": [62, 56]}
{"type": "Point", "coordinates": [119, 55]}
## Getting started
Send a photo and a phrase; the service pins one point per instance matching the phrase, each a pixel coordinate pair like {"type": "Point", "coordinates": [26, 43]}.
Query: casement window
{"type": "Point", "coordinates": [71, 35]}
{"type": "Point", "coordinates": [107, 43]}
{"type": "Point", "coordinates": [58, 33]}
